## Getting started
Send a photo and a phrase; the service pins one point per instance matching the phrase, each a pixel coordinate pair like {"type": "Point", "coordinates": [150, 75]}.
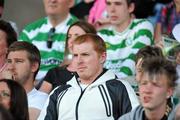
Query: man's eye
{"type": "Point", "coordinates": [74, 55]}
{"type": "Point", "coordinates": [85, 54]}
{"type": "Point", "coordinates": [19, 61]}
{"type": "Point", "coordinates": [108, 3]}
{"type": "Point", "coordinates": [9, 61]}
{"type": "Point", "coordinates": [143, 83]}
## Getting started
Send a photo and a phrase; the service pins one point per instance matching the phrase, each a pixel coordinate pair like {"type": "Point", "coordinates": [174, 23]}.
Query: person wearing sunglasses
{"type": "Point", "coordinates": [49, 34]}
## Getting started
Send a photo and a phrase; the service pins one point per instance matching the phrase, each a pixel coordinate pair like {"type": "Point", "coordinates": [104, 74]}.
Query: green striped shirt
{"type": "Point", "coordinates": [122, 47]}
{"type": "Point", "coordinates": [37, 34]}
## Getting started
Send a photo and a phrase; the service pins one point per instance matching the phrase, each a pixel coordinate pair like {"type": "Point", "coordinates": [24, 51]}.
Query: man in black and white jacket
{"type": "Point", "coordinates": [95, 94]}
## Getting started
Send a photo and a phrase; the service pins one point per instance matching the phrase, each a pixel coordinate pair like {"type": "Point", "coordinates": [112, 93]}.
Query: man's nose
{"type": "Point", "coordinates": [10, 66]}
{"type": "Point", "coordinates": [112, 8]}
{"type": "Point", "coordinates": [79, 59]}
{"type": "Point", "coordinates": [148, 88]}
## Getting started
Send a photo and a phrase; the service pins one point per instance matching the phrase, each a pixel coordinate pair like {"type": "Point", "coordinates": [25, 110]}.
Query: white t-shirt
{"type": "Point", "coordinates": [36, 99]}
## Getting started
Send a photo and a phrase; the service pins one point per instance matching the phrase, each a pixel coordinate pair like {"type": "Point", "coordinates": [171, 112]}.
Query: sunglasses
{"type": "Point", "coordinates": [50, 35]}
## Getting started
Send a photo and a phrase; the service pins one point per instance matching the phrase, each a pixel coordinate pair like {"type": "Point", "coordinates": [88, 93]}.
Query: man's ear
{"type": "Point", "coordinates": [170, 92]}
{"type": "Point", "coordinates": [34, 67]}
{"type": "Point", "coordinates": [131, 7]}
{"type": "Point", "coordinates": [71, 3]}
{"type": "Point", "coordinates": [103, 57]}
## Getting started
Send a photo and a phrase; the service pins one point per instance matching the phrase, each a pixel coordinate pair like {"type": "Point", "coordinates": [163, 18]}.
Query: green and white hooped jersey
{"type": "Point", "coordinates": [37, 34]}
{"type": "Point", "coordinates": [122, 47]}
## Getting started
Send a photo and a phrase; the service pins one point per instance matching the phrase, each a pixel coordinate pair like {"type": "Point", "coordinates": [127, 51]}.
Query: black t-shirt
{"type": "Point", "coordinates": [58, 76]}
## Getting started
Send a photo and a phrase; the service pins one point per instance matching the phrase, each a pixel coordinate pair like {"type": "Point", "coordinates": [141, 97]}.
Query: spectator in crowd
{"type": "Point", "coordinates": [5, 114]}
{"type": "Point", "coordinates": [49, 33]}
{"type": "Point", "coordinates": [124, 37]}
{"type": "Point", "coordinates": [63, 73]}
{"type": "Point", "coordinates": [168, 17]}
{"type": "Point", "coordinates": [23, 61]}
{"type": "Point", "coordinates": [7, 37]}
{"type": "Point", "coordinates": [144, 53]}
{"type": "Point", "coordinates": [13, 97]}
{"type": "Point", "coordinates": [95, 93]}
{"type": "Point", "coordinates": [155, 88]}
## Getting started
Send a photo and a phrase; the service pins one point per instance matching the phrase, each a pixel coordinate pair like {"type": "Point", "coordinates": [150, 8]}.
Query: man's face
{"type": "Point", "coordinates": [57, 7]}
{"type": "Point", "coordinates": [88, 62]}
{"type": "Point", "coordinates": [118, 11]}
{"type": "Point", "coordinates": [154, 93]}
{"type": "Point", "coordinates": [19, 65]}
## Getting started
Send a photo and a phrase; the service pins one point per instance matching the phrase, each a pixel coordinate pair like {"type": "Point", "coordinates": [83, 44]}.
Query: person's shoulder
{"type": "Point", "coordinates": [106, 31]}
{"type": "Point", "coordinates": [60, 89]}
{"type": "Point", "coordinates": [36, 97]}
{"type": "Point", "coordinates": [142, 24]}
{"type": "Point", "coordinates": [141, 21]}
{"type": "Point", "coordinates": [115, 83]}
{"type": "Point", "coordinates": [135, 114]}
{"type": "Point", "coordinates": [40, 94]}
{"type": "Point", "coordinates": [72, 19]}
{"type": "Point", "coordinates": [36, 24]}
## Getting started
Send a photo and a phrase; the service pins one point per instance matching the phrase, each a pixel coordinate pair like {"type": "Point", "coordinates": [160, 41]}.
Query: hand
{"type": "Point", "coordinates": [159, 44]}
{"type": "Point", "coordinates": [6, 74]}
{"type": "Point", "coordinates": [102, 22]}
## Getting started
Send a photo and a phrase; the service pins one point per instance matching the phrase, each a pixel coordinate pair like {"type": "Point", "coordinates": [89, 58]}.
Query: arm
{"type": "Point", "coordinates": [47, 84]}
{"type": "Point", "coordinates": [119, 96]}
{"type": "Point", "coordinates": [23, 36]}
{"type": "Point", "coordinates": [46, 87]}
{"type": "Point", "coordinates": [33, 113]}
{"type": "Point", "coordinates": [158, 33]}
{"type": "Point", "coordinates": [49, 111]}
{"type": "Point", "coordinates": [132, 95]}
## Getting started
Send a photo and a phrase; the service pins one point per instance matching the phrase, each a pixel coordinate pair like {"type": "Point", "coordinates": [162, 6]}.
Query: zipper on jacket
{"type": "Point", "coordinates": [77, 105]}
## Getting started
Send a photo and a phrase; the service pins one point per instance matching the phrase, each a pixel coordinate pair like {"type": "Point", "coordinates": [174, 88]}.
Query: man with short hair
{"type": "Point", "coordinates": [49, 33]}
{"type": "Point", "coordinates": [95, 93]}
{"type": "Point", "coordinates": [124, 36]}
{"type": "Point", "coordinates": [156, 86]}
{"type": "Point", "coordinates": [23, 61]}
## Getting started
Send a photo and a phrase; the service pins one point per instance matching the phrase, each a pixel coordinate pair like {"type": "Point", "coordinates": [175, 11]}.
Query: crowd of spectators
{"type": "Point", "coordinates": [93, 59]}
